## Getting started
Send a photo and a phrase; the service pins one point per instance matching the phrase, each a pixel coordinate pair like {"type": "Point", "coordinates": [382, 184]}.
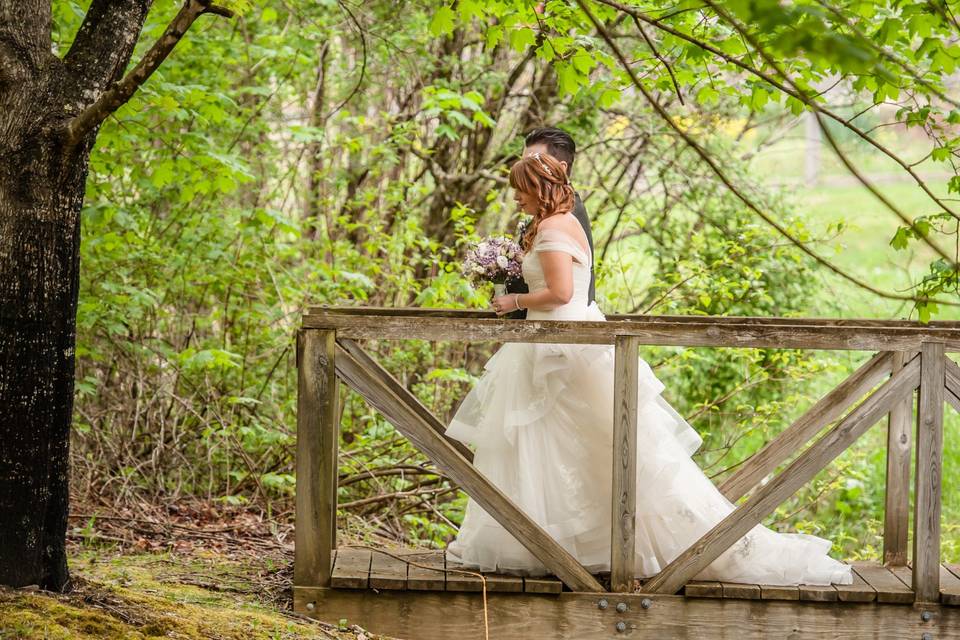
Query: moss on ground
{"type": "Point", "coordinates": [202, 596]}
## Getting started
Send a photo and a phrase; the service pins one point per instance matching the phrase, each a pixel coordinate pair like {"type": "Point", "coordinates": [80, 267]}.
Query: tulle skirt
{"type": "Point", "coordinates": [540, 420]}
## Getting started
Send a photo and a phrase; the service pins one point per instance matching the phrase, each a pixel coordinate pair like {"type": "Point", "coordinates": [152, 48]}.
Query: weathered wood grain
{"type": "Point", "coordinates": [950, 585]}
{"type": "Point", "coordinates": [701, 589]}
{"type": "Point", "coordinates": [460, 578]}
{"type": "Point", "coordinates": [952, 399]}
{"type": "Point", "coordinates": [351, 569]}
{"type": "Point", "coordinates": [403, 393]}
{"type": "Point", "coordinates": [818, 593]}
{"type": "Point", "coordinates": [779, 592]}
{"type": "Point", "coordinates": [951, 374]}
{"type": "Point", "coordinates": [430, 312]}
{"type": "Point", "coordinates": [859, 591]}
{"type": "Point", "coordinates": [889, 588]}
{"type": "Point", "coordinates": [740, 590]}
{"type": "Point", "coordinates": [904, 573]}
{"type": "Point", "coordinates": [798, 473]}
{"type": "Point", "coordinates": [387, 572]}
{"type": "Point", "coordinates": [317, 435]}
{"type": "Point", "coordinates": [790, 440]}
{"type": "Point", "coordinates": [412, 425]}
{"type": "Point", "coordinates": [952, 382]}
{"type": "Point", "coordinates": [429, 577]}
{"type": "Point", "coordinates": [503, 582]}
{"type": "Point", "coordinates": [542, 585]}
{"type": "Point", "coordinates": [785, 333]}
{"type": "Point", "coordinates": [575, 616]}
{"type": "Point", "coordinates": [896, 518]}
{"type": "Point", "coordinates": [926, 512]}
{"type": "Point", "coordinates": [624, 499]}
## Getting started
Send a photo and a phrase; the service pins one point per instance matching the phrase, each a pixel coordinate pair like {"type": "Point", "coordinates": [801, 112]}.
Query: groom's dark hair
{"type": "Point", "coordinates": [558, 142]}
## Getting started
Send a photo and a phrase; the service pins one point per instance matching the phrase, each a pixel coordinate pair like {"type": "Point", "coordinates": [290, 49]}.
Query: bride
{"type": "Point", "coordinates": [541, 422]}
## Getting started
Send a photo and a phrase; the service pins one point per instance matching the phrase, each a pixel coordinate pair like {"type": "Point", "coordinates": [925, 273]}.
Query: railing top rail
{"type": "Point", "coordinates": [399, 323]}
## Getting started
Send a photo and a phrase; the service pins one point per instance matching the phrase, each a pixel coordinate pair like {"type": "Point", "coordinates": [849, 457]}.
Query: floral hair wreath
{"type": "Point", "coordinates": [544, 165]}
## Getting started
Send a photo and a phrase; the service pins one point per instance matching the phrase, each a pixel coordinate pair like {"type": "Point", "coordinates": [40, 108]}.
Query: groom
{"type": "Point", "coordinates": [560, 145]}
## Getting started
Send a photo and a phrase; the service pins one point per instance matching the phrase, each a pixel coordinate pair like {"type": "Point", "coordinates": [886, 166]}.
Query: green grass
{"type": "Point", "coordinates": [144, 595]}
{"type": "Point", "coordinates": [863, 248]}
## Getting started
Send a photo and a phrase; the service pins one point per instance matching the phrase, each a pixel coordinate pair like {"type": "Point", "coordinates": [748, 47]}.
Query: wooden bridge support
{"type": "Point", "coordinates": [317, 443]}
{"type": "Point", "coordinates": [826, 410]}
{"type": "Point", "coordinates": [896, 517]}
{"type": "Point", "coordinates": [326, 351]}
{"type": "Point", "coordinates": [426, 615]}
{"type": "Point", "coordinates": [799, 472]}
{"type": "Point", "coordinates": [624, 503]}
{"type": "Point", "coordinates": [424, 433]}
{"type": "Point", "coordinates": [926, 495]}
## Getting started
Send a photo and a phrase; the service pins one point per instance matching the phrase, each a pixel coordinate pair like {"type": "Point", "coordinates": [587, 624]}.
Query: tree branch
{"type": "Point", "coordinates": [120, 92]}
{"type": "Point", "coordinates": [887, 54]}
{"type": "Point", "coordinates": [876, 192]}
{"type": "Point", "coordinates": [708, 159]}
{"type": "Point", "coordinates": [843, 158]}
{"type": "Point", "coordinates": [103, 44]}
{"type": "Point", "coordinates": [799, 95]}
{"type": "Point", "coordinates": [673, 78]}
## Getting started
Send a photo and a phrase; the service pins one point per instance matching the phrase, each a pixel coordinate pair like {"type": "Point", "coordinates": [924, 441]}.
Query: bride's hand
{"type": "Point", "coordinates": [504, 304]}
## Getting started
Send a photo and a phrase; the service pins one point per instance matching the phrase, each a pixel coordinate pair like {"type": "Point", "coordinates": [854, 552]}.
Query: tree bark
{"type": "Point", "coordinates": [50, 113]}
{"type": "Point", "coordinates": [41, 192]}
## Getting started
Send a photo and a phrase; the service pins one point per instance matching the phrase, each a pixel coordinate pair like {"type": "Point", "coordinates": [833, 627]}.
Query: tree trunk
{"type": "Point", "coordinates": [41, 192]}
{"type": "Point", "coordinates": [43, 175]}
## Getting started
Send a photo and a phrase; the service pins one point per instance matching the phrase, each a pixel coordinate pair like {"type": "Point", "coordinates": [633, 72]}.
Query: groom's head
{"type": "Point", "coordinates": [554, 142]}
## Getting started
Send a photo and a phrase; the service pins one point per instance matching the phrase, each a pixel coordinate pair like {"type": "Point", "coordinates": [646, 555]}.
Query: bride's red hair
{"type": "Point", "coordinates": [542, 175]}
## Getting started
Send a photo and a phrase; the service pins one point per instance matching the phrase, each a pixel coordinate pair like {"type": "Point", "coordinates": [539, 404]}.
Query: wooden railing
{"type": "Point", "coordinates": [909, 357]}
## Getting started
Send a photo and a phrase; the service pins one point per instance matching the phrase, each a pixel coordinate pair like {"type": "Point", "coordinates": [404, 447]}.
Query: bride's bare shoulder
{"type": "Point", "coordinates": [561, 222]}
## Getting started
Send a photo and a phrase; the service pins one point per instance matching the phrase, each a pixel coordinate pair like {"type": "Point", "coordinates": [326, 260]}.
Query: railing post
{"type": "Point", "coordinates": [623, 521]}
{"type": "Point", "coordinates": [926, 513]}
{"type": "Point", "coordinates": [317, 434]}
{"type": "Point", "coordinates": [896, 519]}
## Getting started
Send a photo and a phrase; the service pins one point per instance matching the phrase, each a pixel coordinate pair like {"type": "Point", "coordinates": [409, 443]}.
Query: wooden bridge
{"type": "Point", "coordinates": [414, 594]}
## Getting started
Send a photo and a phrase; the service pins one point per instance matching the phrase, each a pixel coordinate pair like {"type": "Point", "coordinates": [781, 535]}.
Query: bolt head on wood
{"type": "Point", "coordinates": [646, 603]}
{"type": "Point", "coordinates": [602, 603]}
{"type": "Point", "coordinates": [311, 606]}
{"type": "Point", "coordinates": [926, 616]}
{"type": "Point", "coordinates": [621, 626]}
{"type": "Point", "coordinates": [621, 607]}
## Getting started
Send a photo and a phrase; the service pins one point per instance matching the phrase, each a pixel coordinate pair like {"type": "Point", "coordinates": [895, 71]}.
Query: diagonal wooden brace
{"type": "Point", "coordinates": [375, 368]}
{"type": "Point", "coordinates": [826, 410]}
{"type": "Point", "coordinates": [733, 527]}
{"type": "Point", "coordinates": [418, 429]}
{"type": "Point", "coordinates": [952, 382]}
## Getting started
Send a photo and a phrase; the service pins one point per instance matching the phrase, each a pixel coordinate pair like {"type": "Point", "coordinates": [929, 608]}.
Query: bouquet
{"type": "Point", "coordinates": [496, 259]}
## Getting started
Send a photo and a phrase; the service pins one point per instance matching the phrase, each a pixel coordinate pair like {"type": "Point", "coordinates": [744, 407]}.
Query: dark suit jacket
{"type": "Point", "coordinates": [519, 286]}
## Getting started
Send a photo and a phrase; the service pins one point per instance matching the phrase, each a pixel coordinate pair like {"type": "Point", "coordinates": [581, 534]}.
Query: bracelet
{"type": "Point", "coordinates": [516, 300]}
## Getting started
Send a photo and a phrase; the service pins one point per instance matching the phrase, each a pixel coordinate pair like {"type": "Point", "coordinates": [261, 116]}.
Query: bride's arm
{"type": "Point", "coordinates": [558, 273]}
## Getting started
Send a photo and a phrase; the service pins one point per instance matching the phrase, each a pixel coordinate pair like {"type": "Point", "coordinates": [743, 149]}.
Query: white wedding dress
{"type": "Point", "coordinates": [540, 420]}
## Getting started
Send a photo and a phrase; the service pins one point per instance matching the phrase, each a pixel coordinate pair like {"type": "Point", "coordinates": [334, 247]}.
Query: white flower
{"type": "Point", "coordinates": [503, 262]}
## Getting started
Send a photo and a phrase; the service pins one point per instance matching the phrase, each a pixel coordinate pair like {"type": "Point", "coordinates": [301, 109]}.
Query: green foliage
{"type": "Point", "coordinates": [303, 155]}
{"type": "Point", "coordinates": [881, 49]}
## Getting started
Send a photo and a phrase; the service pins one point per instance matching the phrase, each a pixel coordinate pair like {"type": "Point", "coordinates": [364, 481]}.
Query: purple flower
{"type": "Point", "coordinates": [494, 259]}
